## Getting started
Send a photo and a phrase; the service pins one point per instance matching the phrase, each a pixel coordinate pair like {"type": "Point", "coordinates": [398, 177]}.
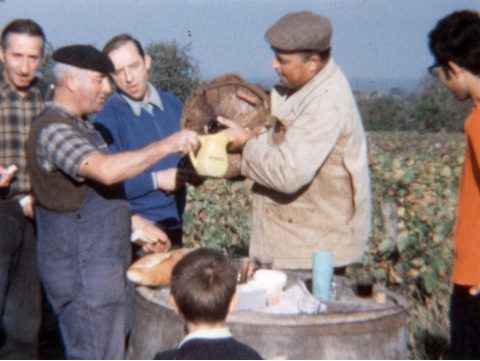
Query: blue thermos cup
{"type": "Point", "coordinates": [322, 273]}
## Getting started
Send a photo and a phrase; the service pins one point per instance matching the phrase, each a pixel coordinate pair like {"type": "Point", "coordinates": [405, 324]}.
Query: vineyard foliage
{"type": "Point", "coordinates": [414, 176]}
{"type": "Point", "coordinates": [414, 188]}
{"type": "Point", "coordinates": [415, 182]}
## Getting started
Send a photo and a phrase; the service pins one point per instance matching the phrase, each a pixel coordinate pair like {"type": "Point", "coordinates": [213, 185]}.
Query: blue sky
{"type": "Point", "coordinates": [373, 39]}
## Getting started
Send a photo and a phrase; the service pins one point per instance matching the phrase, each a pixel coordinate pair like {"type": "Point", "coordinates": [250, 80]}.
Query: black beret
{"type": "Point", "coordinates": [84, 57]}
{"type": "Point", "coordinates": [300, 31]}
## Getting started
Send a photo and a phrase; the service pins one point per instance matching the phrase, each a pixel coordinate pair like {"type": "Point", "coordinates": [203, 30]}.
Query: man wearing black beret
{"type": "Point", "coordinates": [312, 188]}
{"type": "Point", "coordinates": [83, 219]}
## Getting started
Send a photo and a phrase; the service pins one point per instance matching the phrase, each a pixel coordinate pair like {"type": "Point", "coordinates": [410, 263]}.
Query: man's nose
{"type": "Point", "coordinates": [275, 64]}
{"type": "Point", "coordinates": [128, 76]}
{"type": "Point", "coordinates": [106, 86]}
{"type": "Point", "coordinates": [24, 66]}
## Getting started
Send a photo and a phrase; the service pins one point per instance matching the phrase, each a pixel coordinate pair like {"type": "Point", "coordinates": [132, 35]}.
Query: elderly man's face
{"type": "Point", "coordinates": [93, 89]}
{"type": "Point", "coordinates": [294, 70]}
{"type": "Point", "coordinates": [21, 59]}
{"type": "Point", "coordinates": [131, 71]}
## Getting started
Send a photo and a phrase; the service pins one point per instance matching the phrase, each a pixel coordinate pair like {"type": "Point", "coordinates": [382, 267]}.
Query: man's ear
{"type": "Point", "coordinates": [2, 59]}
{"type": "Point", "coordinates": [233, 302]}
{"type": "Point", "coordinates": [316, 63]}
{"type": "Point", "coordinates": [174, 305]}
{"type": "Point", "coordinates": [455, 68]}
{"type": "Point", "coordinates": [148, 61]}
{"type": "Point", "coordinates": [71, 82]}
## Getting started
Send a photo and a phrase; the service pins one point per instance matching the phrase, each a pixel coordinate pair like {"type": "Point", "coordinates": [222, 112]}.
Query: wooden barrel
{"type": "Point", "coordinates": [344, 332]}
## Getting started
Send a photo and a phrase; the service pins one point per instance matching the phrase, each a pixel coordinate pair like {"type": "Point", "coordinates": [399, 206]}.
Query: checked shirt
{"type": "Point", "coordinates": [16, 115]}
{"type": "Point", "coordinates": [63, 147]}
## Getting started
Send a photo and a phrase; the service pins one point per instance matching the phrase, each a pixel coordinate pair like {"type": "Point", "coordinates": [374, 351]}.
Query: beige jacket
{"type": "Point", "coordinates": [312, 184]}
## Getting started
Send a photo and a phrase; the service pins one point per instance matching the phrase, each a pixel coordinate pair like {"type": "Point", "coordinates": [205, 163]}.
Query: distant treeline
{"type": "Point", "coordinates": [431, 109]}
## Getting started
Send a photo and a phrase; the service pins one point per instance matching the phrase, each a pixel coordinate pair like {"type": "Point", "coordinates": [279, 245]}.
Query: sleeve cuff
{"type": "Point", "coordinates": [154, 180]}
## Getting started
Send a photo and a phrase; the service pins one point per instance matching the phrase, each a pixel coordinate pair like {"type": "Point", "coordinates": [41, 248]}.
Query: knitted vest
{"type": "Point", "coordinates": [55, 190]}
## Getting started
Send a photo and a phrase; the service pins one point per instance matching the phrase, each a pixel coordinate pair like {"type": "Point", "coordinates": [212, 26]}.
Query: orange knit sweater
{"type": "Point", "coordinates": [466, 270]}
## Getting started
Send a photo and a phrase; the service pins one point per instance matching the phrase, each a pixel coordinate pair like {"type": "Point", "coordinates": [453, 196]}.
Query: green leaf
{"type": "Point", "coordinates": [402, 242]}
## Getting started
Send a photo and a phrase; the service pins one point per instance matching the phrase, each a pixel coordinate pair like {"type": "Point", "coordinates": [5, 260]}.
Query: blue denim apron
{"type": "Point", "coordinates": [83, 258]}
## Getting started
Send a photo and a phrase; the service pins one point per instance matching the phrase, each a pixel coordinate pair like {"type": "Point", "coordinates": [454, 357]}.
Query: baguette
{"type": "Point", "coordinates": [155, 269]}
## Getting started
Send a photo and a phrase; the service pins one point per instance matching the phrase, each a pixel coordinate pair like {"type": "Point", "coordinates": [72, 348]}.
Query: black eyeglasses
{"type": "Point", "coordinates": [434, 69]}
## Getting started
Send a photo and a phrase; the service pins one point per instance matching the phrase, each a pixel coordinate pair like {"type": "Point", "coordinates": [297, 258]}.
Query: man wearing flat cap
{"type": "Point", "coordinates": [310, 169]}
{"type": "Point", "coordinates": [83, 218]}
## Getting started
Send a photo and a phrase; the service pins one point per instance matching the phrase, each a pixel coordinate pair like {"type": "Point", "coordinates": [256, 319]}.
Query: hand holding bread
{"type": "Point", "coordinates": [148, 235]}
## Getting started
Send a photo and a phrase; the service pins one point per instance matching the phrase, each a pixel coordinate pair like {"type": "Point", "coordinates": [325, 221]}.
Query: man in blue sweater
{"type": "Point", "coordinates": [134, 117]}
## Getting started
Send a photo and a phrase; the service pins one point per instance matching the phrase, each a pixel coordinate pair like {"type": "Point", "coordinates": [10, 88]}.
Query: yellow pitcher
{"type": "Point", "coordinates": [212, 160]}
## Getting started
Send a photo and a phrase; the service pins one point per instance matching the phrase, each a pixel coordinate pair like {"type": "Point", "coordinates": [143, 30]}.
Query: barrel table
{"type": "Point", "coordinates": [351, 328]}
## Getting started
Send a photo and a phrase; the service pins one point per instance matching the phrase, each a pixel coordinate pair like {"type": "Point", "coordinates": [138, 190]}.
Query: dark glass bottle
{"type": "Point", "coordinates": [214, 126]}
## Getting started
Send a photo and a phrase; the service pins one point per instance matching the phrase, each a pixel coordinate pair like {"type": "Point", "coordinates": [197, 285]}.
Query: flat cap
{"type": "Point", "coordinates": [84, 57]}
{"type": "Point", "coordinates": [300, 31]}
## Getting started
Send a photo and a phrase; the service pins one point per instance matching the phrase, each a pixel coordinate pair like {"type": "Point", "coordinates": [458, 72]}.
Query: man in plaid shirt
{"type": "Point", "coordinates": [22, 45]}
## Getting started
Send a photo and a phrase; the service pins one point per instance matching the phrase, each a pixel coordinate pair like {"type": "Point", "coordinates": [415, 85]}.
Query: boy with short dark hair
{"type": "Point", "coordinates": [455, 44]}
{"type": "Point", "coordinates": [203, 288]}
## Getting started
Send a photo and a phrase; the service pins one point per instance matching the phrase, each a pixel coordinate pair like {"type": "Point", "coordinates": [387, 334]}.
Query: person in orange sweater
{"type": "Point", "coordinates": [455, 45]}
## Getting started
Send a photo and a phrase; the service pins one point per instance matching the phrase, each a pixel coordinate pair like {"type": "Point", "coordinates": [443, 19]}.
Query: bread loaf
{"type": "Point", "coordinates": [155, 269]}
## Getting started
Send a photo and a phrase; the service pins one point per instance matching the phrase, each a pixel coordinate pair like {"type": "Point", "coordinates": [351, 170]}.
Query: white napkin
{"type": "Point", "coordinates": [297, 300]}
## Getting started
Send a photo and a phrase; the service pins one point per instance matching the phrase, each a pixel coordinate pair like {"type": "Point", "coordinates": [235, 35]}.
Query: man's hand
{"type": "Point", "coordinates": [167, 180]}
{"type": "Point", "coordinates": [183, 141]}
{"type": "Point", "coordinates": [239, 134]}
{"type": "Point", "coordinates": [474, 290]}
{"type": "Point", "coordinates": [4, 178]}
{"type": "Point", "coordinates": [6, 175]}
{"type": "Point", "coordinates": [27, 204]}
{"type": "Point", "coordinates": [156, 240]}
{"type": "Point", "coordinates": [173, 179]}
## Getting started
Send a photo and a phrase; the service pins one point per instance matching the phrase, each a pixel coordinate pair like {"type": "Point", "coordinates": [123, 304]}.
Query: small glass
{"type": "Point", "coordinates": [364, 283]}
{"type": "Point", "coordinates": [244, 266]}
{"type": "Point", "coordinates": [337, 288]}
